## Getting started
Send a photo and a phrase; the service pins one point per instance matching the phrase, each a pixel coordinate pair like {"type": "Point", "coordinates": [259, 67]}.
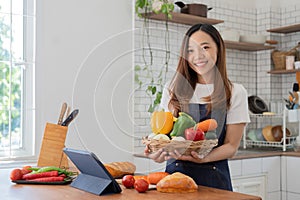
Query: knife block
{"type": "Point", "coordinates": [51, 152]}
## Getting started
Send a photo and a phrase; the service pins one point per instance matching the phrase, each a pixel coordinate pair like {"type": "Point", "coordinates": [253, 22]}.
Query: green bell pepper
{"type": "Point", "coordinates": [183, 122]}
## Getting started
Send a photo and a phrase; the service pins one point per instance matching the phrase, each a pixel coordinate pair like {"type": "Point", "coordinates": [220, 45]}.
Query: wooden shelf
{"type": "Point", "coordinates": [286, 29]}
{"type": "Point", "coordinates": [245, 46]}
{"type": "Point", "coordinates": [283, 71]}
{"type": "Point", "coordinates": [183, 18]}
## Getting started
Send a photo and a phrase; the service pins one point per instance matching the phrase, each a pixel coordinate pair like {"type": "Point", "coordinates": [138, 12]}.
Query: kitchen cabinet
{"type": "Point", "coordinates": [259, 176]}
{"type": "Point", "coordinates": [290, 178]}
{"type": "Point", "coordinates": [253, 185]}
{"type": "Point", "coordinates": [247, 177]}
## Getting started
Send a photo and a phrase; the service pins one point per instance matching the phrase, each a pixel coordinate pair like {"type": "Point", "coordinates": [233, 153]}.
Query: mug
{"type": "Point", "coordinates": [293, 115]}
{"type": "Point", "coordinates": [289, 62]}
{"type": "Point", "coordinates": [297, 65]}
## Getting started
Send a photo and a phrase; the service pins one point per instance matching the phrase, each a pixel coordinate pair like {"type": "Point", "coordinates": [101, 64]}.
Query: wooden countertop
{"type": "Point", "coordinates": [263, 152]}
{"type": "Point", "coordinates": [14, 191]}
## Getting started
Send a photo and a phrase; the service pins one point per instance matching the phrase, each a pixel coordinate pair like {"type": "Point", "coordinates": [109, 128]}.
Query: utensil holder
{"type": "Point", "coordinates": [293, 115]}
{"type": "Point", "coordinates": [51, 152]}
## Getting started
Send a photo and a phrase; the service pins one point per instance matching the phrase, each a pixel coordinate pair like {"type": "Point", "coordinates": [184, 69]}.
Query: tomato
{"type": "Point", "coordinates": [194, 135]}
{"type": "Point", "coordinates": [16, 174]}
{"type": "Point", "coordinates": [128, 181]}
{"type": "Point", "coordinates": [26, 170]}
{"type": "Point", "coordinates": [141, 185]}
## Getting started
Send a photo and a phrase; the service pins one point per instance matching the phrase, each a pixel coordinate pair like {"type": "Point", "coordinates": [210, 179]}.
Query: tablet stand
{"type": "Point", "coordinates": [94, 177]}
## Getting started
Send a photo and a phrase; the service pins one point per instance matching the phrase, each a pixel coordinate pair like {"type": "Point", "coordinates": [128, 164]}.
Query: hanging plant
{"type": "Point", "coordinates": [143, 8]}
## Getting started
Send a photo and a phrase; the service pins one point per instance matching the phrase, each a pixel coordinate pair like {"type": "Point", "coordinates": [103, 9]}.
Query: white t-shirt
{"type": "Point", "coordinates": [238, 111]}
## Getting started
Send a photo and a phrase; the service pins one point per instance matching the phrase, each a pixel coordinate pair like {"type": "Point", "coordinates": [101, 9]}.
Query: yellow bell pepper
{"type": "Point", "coordinates": [161, 122]}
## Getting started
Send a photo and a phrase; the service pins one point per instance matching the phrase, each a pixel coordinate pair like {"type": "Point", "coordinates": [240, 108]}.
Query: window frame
{"type": "Point", "coordinates": [27, 65]}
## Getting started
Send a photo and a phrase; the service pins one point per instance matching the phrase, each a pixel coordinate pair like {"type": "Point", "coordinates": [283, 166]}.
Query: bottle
{"type": "Point", "coordinates": [295, 87]}
{"type": "Point", "coordinates": [298, 77]}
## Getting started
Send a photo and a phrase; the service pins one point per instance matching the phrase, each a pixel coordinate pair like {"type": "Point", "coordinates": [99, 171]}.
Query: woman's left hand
{"type": "Point", "coordinates": [194, 157]}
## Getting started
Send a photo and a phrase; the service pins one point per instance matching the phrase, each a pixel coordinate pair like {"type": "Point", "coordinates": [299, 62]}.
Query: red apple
{"type": "Point", "coordinates": [141, 185]}
{"type": "Point", "coordinates": [194, 134]}
{"type": "Point", "coordinates": [128, 181]}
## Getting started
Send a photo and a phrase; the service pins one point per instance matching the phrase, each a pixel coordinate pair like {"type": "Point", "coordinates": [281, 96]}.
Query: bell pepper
{"type": "Point", "coordinates": [162, 122]}
{"type": "Point", "coordinates": [183, 122]}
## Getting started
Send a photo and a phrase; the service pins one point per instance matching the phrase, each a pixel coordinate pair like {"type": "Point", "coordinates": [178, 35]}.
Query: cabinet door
{"type": "Point", "coordinates": [292, 175]}
{"type": "Point", "coordinates": [254, 185]}
{"type": "Point", "coordinates": [272, 167]}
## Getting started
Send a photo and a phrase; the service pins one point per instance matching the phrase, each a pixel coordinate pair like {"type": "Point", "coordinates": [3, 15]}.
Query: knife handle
{"type": "Point", "coordinates": [70, 117]}
{"type": "Point", "coordinates": [68, 111]}
{"type": "Point", "coordinates": [62, 113]}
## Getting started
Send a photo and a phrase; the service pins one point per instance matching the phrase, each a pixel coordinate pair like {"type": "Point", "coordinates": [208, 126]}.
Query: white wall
{"type": "Point", "coordinates": [84, 58]}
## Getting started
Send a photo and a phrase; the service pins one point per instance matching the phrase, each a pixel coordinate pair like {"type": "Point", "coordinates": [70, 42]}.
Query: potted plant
{"type": "Point", "coordinates": [143, 9]}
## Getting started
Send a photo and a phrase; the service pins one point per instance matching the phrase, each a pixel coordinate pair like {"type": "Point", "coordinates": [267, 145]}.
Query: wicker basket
{"type": "Point", "coordinates": [203, 147]}
{"type": "Point", "coordinates": [278, 57]}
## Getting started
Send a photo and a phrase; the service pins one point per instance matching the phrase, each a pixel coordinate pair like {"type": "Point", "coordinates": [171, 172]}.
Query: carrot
{"type": "Point", "coordinates": [145, 177]}
{"type": "Point", "coordinates": [40, 175]}
{"type": "Point", "coordinates": [48, 179]}
{"type": "Point", "coordinates": [207, 125]}
{"type": "Point", "coordinates": [155, 177]}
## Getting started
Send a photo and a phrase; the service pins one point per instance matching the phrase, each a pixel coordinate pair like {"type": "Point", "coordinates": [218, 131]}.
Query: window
{"type": "Point", "coordinates": [17, 50]}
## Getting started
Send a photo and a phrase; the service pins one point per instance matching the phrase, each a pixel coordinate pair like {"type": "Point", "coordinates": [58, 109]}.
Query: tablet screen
{"type": "Point", "coordinates": [87, 163]}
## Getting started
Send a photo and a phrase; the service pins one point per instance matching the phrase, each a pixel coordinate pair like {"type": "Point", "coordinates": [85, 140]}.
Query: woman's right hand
{"type": "Point", "coordinates": [158, 156]}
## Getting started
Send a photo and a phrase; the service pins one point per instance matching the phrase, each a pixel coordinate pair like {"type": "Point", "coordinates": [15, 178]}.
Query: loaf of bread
{"type": "Point", "coordinates": [177, 183]}
{"type": "Point", "coordinates": [119, 169]}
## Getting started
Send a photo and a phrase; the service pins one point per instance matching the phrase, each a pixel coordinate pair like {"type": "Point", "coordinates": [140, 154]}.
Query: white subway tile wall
{"type": "Point", "coordinates": [245, 67]}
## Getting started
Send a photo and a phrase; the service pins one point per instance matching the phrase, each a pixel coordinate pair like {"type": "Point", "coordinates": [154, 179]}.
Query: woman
{"type": "Point", "coordinates": [202, 89]}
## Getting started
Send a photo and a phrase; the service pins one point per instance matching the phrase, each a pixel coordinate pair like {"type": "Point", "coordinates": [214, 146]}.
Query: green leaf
{"type": "Point", "coordinates": [136, 78]}
{"type": "Point", "coordinates": [137, 68]}
{"type": "Point", "coordinates": [164, 9]}
{"type": "Point", "coordinates": [158, 98]}
{"type": "Point", "coordinates": [153, 90]}
{"type": "Point", "coordinates": [151, 109]}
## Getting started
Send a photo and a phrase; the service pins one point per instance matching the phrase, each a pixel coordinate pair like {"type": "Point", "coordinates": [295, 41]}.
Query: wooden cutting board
{"type": "Point", "coordinates": [51, 152]}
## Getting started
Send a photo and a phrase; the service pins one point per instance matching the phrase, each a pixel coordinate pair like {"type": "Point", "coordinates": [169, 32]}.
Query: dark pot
{"type": "Point", "coordinates": [257, 105]}
{"type": "Point", "coordinates": [193, 8]}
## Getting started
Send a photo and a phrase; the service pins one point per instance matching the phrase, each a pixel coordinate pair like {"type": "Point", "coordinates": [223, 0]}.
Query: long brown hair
{"type": "Point", "coordinates": [184, 81]}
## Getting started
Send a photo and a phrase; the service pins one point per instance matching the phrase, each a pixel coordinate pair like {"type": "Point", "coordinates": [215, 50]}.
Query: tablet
{"type": "Point", "coordinates": [93, 176]}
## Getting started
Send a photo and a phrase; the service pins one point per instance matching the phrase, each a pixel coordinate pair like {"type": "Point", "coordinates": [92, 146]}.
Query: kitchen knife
{"type": "Point", "coordinates": [62, 113]}
{"type": "Point", "coordinates": [70, 117]}
{"type": "Point", "coordinates": [68, 111]}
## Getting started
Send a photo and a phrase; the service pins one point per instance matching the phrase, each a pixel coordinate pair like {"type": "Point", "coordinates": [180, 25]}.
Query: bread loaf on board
{"type": "Point", "coordinates": [119, 169]}
{"type": "Point", "coordinates": [177, 183]}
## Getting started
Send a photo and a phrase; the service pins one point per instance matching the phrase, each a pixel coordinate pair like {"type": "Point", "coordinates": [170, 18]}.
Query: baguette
{"type": "Point", "coordinates": [119, 169]}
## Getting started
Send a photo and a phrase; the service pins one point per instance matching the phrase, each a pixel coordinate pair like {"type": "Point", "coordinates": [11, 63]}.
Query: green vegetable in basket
{"type": "Point", "coordinates": [183, 122]}
{"type": "Point", "coordinates": [210, 135]}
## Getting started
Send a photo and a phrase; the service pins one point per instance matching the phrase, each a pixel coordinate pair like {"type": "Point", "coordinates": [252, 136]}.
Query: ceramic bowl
{"type": "Point", "coordinates": [259, 39]}
{"type": "Point", "coordinates": [267, 133]}
{"type": "Point", "coordinates": [277, 133]}
{"type": "Point", "coordinates": [259, 134]}
{"type": "Point", "coordinates": [230, 35]}
{"type": "Point", "coordinates": [252, 135]}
